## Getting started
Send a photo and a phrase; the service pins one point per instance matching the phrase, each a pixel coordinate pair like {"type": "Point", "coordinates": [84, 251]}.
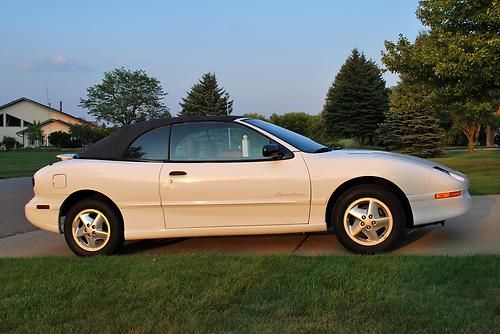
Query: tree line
{"type": "Point", "coordinates": [448, 88]}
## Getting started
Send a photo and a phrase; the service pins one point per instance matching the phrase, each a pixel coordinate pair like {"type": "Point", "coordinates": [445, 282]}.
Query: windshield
{"type": "Point", "coordinates": [302, 143]}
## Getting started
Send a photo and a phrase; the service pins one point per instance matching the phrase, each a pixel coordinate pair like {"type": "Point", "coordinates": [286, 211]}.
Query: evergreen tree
{"type": "Point", "coordinates": [409, 127]}
{"type": "Point", "coordinates": [357, 100]}
{"type": "Point", "coordinates": [206, 98]}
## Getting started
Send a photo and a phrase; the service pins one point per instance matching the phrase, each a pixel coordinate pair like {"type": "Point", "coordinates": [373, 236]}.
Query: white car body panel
{"type": "Point", "coordinates": [415, 177]}
{"type": "Point", "coordinates": [226, 198]}
{"type": "Point", "coordinates": [215, 194]}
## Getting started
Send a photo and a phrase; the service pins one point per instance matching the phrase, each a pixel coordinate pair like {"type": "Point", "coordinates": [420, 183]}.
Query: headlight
{"type": "Point", "coordinates": [456, 176]}
{"type": "Point", "coordinates": [451, 173]}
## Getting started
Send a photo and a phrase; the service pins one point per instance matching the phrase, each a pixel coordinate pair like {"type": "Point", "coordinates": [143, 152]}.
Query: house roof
{"type": "Point", "coordinates": [50, 120]}
{"type": "Point", "coordinates": [25, 99]}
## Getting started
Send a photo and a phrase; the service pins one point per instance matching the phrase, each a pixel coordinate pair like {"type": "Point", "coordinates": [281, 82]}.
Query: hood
{"type": "Point", "coordinates": [391, 155]}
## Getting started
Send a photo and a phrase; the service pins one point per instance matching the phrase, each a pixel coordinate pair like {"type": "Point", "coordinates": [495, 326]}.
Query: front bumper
{"type": "Point", "coordinates": [426, 209]}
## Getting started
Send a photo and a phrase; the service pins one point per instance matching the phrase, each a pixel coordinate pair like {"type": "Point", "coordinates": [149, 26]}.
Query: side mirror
{"type": "Point", "coordinates": [272, 150]}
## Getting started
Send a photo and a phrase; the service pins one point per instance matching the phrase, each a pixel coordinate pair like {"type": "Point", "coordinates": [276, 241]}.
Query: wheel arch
{"type": "Point", "coordinates": [81, 194]}
{"type": "Point", "coordinates": [368, 180]}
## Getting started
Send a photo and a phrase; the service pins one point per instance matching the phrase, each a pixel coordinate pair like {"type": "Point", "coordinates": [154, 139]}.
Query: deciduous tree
{"type": "Point", "coordinates": [35, 132]}
{"type": "Point", "coordinates": [124, 97]}
{"type": "Point", "coordinates": [456, 57]}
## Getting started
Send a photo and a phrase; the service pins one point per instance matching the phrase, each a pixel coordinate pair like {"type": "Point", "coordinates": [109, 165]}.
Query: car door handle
{"type": "Point", "coordinates": [177, 173]}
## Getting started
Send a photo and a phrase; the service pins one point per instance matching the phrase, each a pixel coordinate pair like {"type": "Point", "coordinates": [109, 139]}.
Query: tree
{"type": "Point", "coordinates": [34, 132]}
{"type": "Point", "coordinates": [60, 139]}
{"type": "Point", "coordinates": [124, 97]}
{"type": "Point", "coordinates": [206, 98]}
{"type": "Point", "coordinates": [414, 132]}
{"type": "Point", "coordinates": [307, 125]}
{"type": "Point", "coordinates": [408, 126]}
{"type": "Point", "coordinates": [357, 100]}
{"type": "Point", "coordinates": [256, 116]}
{"type": "Point", "coordinates": [469, 117]}
{"type": "Point", "coordinates": [298, 122]}
{"type": "Point", "coordinates": [85, 134]}
{"type": "Point", "coordinates": [456, 58]}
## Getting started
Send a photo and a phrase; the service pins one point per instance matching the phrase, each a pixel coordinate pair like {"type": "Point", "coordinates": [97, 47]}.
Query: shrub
{"type": "Point", "coordinates": [9, 142]}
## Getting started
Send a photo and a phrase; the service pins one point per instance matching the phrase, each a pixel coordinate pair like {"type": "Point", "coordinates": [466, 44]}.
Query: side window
{"type": "Point", "coordinates": [216, 141]}
{"type": "Point", "coordinates": [152, 145]}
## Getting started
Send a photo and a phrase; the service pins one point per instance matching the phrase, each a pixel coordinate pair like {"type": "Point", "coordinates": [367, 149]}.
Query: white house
{"type": "Point", "coordinates": [16, 115]}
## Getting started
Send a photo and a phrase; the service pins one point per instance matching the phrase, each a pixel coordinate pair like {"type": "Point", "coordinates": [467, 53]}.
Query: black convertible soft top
{"type": "Point", "coordinates": [114, 146]}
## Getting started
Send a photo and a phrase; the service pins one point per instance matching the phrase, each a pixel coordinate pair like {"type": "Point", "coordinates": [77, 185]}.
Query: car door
{"type": "Point", "coordinates": [217, 176]}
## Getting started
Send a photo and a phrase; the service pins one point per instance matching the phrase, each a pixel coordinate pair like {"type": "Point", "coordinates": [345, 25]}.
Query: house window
{"type": "Point", "coordinates": [26, 123]}
{"type": "Point", "coordinates": [1, 119]}
{"type": "Point", "coordinates": [13, 121]}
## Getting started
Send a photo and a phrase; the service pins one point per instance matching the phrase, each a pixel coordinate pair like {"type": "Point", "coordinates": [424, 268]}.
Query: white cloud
{"type": "Point", "coordinates": [60, 59]}
{"type": "Point", "coordinates": [56, 63]}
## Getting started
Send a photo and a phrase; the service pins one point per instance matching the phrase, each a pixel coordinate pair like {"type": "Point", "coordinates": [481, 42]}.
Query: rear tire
{"type": "Point", "coordinates": [93, 228]}
{"type": "Point", "coordinates": [369, 219]}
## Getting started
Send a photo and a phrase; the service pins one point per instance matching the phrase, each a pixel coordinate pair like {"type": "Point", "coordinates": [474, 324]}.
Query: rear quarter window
{"type": "Point", "coordinates": [151, 146]}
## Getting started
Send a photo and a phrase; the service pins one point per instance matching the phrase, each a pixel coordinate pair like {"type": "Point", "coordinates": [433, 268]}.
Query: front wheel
{"type": "Point", "coordinates": [368, 219]}
{"type": "Point", "coordinates": [91, 228]}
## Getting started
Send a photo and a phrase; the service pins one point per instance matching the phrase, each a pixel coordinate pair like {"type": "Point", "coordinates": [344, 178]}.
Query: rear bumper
{"type": "Point", "coordinates": [44, 219]}
{"type": "Point", "coordinates": [426, 209]}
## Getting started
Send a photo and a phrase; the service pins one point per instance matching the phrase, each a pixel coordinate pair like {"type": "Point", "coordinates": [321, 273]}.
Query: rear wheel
{"type": "Point", "coordinates": [368, 219]}
{"type": "Point", "coordinates": [91, 228]}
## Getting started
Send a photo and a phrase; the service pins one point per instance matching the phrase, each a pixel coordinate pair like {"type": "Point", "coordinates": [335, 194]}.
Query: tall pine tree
{"type": "Point", "coordinates": [357, 100]}
{"type": "Point", "coordinates": [206, 98]}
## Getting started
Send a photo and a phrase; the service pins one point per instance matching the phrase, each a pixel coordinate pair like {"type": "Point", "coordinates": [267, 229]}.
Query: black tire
{"type": "Point", "coordinates": [115, 229]}
{"type": "Point", "coordinates": [388, 239]}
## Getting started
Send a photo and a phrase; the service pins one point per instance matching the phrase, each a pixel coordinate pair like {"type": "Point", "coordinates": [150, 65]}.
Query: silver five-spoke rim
{"type": "Point", "coordinates": [368, 221]}
{"type": "Point", "coordinates": [91, 230]}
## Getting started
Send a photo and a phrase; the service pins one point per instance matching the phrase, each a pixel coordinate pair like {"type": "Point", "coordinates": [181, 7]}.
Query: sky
{"type": "Point", "coordinates": [273, 56]}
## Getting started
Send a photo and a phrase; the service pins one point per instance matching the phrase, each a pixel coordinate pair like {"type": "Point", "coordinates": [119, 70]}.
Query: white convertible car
{"type": "Point", "coordinates": [205, 176]}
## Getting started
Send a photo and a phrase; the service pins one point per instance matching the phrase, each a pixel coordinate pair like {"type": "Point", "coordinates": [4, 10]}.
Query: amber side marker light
{"type": "Point", "coordinates": [448, 194]}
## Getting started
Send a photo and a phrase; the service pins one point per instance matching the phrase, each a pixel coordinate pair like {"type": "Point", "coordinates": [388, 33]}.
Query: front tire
{"type": "Point", "coordinates": [368, 219]}
{"type": "Point", "coordinates": [93, 228]}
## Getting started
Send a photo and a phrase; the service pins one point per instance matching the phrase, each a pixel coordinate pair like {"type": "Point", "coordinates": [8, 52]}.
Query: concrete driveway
{"type": "Point", "coordinates": [14, 194]}
{"type": "Point", "coordinates": [478, 231]}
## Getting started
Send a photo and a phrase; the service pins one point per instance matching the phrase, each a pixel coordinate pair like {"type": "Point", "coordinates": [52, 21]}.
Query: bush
{"type": "Point", "coordinates": [63, 140]}
{"type": "Point", "coordinates": [9, 142]}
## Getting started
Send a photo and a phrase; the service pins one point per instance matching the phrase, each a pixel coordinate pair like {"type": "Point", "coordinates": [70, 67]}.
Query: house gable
{"type": "Point", "coordinates": [20, 113]}
{"type": "Point", "coordinates": [32, 111]}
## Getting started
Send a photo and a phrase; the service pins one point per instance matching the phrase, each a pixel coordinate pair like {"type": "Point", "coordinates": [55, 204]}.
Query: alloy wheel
{"type": "Point", "coordinates": [368, 221]}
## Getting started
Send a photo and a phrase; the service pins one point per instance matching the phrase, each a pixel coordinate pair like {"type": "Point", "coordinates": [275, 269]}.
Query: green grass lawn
{"type": "Point", "coordinates": [24, 163]}
{"type": "Point", "coordinates": [481, 167]}
{"type": "Point", "coordinates": [271, 294]}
